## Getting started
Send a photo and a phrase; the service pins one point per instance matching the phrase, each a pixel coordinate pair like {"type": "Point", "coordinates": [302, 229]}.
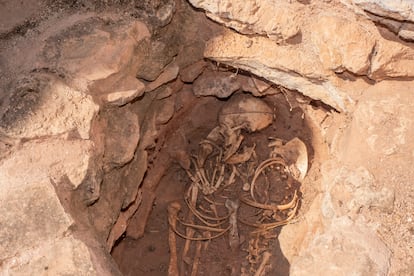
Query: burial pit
{"type": "Point", "coordinates": [206, 138]}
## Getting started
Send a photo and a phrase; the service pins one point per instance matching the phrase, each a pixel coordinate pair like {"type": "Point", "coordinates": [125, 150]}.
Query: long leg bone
{"type": "Point", "coordinates": [266, 257]}
{"type": "Point", "coordinates": [234, 240]}
{"type": "Point", "coordinates": [193, 191]}
{"type": "Point", "coordinates": [196, 259]}
{"type": "Point", "coordinates": [173, 210]}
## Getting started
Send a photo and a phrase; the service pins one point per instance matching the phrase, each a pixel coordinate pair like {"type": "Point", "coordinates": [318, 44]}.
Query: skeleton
{"type": "Point", "coordinates": [240, 113]}
{"type": "Point", "coordinates": [217, 165]}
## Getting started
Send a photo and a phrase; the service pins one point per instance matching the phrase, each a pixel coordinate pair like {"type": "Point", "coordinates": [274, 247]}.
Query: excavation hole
{"type": "Point", "coordinates": [148, 253]}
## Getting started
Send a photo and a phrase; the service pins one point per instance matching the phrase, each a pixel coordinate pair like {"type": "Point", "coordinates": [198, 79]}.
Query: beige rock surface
{"type": "Point", "coordinates": [275, 19]}
{"type": "Point", "coordinates": [35, 229]}
{"type": "Point", "coordinates": [383, 122]}
{"type": "Point", "coordinates": [49, 159]}
{"type": "Point", "coordinates": [52, 154]}
{"type": "Point", "coordinates": [288, 66]}
{"type": "Point", "coordinates": [44, 105]}
{"type": "Point", "coordinates": [381, 137]}
{"type": "Point", "coordinates": [31, 214]}
{"type": "Point", "coordinates": [392, 60]}
{"type": "Point", "coordinates": [400, 10]}
{"type": "Point", "coordinates": [333, 238]}
{"type": "Point", "coordinates": [65, 256]}
{"type": "Point", "coordinates": [124, 91]}
{"type": "Point", "coordinates": [363, 207]}
{"type": "Point", "coordinates": [330, 43]}
{"type": "Point", "coordinates": [92, 50]}
{"type": "Point", "coordinates": [342, 45]}
{"type": "Point", "coordinates": [345, 248]}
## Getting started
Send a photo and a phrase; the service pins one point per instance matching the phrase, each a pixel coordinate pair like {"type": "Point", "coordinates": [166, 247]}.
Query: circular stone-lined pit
{"type": "Point", "coordinates": [133, 138]}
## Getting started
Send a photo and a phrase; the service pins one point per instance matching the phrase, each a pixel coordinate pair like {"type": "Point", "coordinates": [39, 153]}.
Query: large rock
{"type": "Point", "coordinates": [121, 137]}
{"type": "Point", "coordinates": [35, 233]}
{"type": "Point", "coordinates": [213, 83]}
{"type": "Point", "coordinates": [31, 213]}
{"type": "Point", "coordinates": [353, 190]}
{"type": "Point", "coordinates": [392, 60]}
{"type": "Point", "coordinates": [342, 45]}
{"type": "Point", "coordinates": [44, 105]}
{"type": "Point", "coordinates": [312, 60]}
{"type": "Point", "coordinates": [362, 214]}
{"type": "Point", "coordinates": [397, 16]}
{"type": "Point", "coordinates": [289, 66]}
{"type": "Point", "coordinates": [382, 123]}
{"type": "Point", "coordinates": [65, 256]}
{"type": "Point", "coordinates": [345, 248]}
{"type": "Point", "coordinates": [334, 237]}
{"type": "Point", "coordinates": [93, 49]}
{"type": "Point", "coordinates": [123, 91]}
{"type": "Point", "coordinates": [400, 10]}
{"type": "Point", "coordinates": [51, 159]}
{"type": "Point", "coordinates": [274, 19]}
